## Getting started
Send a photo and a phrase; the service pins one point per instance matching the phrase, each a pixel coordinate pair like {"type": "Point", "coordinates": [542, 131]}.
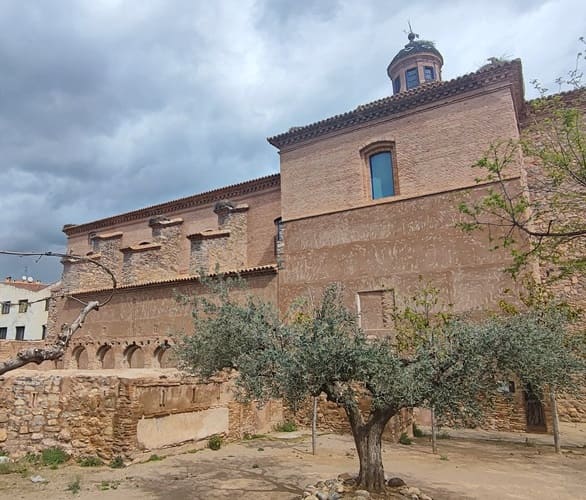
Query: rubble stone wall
{"type": "Point", "coordinates": [89, 413]}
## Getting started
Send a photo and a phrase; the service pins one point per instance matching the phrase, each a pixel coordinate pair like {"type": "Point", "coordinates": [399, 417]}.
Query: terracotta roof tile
{"type": "Point", "coordinates": [268, 269]}
{"type": "Point", "coordinates": [204, 198]}
{"type": "Point", "coordinates": [424, 94]}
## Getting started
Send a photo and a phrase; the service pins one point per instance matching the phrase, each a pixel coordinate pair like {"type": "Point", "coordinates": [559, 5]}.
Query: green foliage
{"type": "Point", "coordinates": [155, 458]}
{"type": "Point", "coordinates": [108, 485]}
{"type": "Point", "coordinates": [90, 461]}
{"type": "Point", "coordinates": [250, 437]}
{"type": "Point", "coordinates": [117, 462]}
{"type": "Point", "coordinates": [444, 457]}
{"type": "Point", "coordinates": [19, 467]}
{"type": "Point", "coordinates": [215, 442]}
{"type": "Point", "coordinates": [417, 432]}
{"type": "Point", "coordinates": [74, 486]}
{"type": "Point", "coordinates": [450, 364]}
{"type": "Point", "coordinates": [405, 439]}
{"type": "Point", "coordinates": [31, 458]}
{"type": "Point", "coordinates": [286, 427]}
{"type": "Point", "coordinates": [542, 217]}
{"type": "Point", "coordinates": [54, 456]}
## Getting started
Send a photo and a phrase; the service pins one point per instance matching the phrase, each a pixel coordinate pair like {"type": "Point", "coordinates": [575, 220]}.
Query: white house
{"type": "Point", "coordinates": [23, 309]}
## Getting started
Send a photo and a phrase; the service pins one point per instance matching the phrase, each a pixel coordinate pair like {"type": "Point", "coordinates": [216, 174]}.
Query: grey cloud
{"type": "Point", "coordinates": [109, 106]}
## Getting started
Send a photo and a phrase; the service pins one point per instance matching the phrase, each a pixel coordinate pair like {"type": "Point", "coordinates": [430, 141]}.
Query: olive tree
{"type": "Point", "coordinates": [328, 353]}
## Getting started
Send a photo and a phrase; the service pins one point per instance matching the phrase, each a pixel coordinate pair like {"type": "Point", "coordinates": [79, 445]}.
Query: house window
{"type": "Point", "coordinates": [428, 73]}
{"type": "Point", "coordinates": [46, 304]}
{"type": "Point", "coordinates": [20, 333]}
{"type": "Point", "coordinates": [397, 85]}
{"type": "Point", "coordinates": [44, 332]}
{"type": "Point", "coordinates": [381, 175]}
{"type": "Point", "coordinates": [3, 332]}
{"type": "Point", "coordinates": [22, 306]}
{"type": "Point", "coordinates": [5, 307]}
{"type": "Point", "coordinates": [412, 78]}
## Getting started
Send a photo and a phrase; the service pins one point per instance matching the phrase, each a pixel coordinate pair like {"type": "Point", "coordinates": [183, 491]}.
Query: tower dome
{"type": "Point", "coordinates": [416, 63]}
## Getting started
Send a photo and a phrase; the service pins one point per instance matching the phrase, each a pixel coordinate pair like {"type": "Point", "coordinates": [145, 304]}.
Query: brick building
{"type": "Point", "coordinates": [367, 198]}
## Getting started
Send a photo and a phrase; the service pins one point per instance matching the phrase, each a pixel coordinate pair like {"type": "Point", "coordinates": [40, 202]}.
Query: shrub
{"type": "Point", "coordinates": [74, 486]}
{"type": "Point", "coordinates": [155, 458]}
{"type": "Point", "coordinates": [117, 462]}
{"type": "Point", "coordinates": [31, 458]}
{"type": "Point", "coordinates": [90, 461]}
{"type": "Point", "coordinates": [404, 439]}
{"type": "Point", "coordinates": [286, 427]}
{"type": "Point", "coordinates": [54, 456]}
{"type": "Point", "coordinates": [215, 442]}
{"type": "Point", "coordinates": [417, 432]}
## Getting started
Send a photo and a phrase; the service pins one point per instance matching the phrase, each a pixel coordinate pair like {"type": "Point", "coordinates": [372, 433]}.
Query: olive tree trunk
{"type": "Point", "coordinates": [368, 439]}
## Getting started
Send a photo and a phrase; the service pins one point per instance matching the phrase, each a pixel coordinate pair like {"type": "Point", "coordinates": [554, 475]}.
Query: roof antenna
{"type": "Point", "coordinates": [410, 34]}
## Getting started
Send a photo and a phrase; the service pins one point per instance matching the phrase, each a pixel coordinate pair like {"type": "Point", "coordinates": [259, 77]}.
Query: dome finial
{"type": "Point", "coordinates": [411, 35]}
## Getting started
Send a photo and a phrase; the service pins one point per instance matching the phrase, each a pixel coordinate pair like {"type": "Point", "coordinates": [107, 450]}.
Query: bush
{"type": "Point", "coordinates": [74, 486]}
{"type": "Point", "coordinates": [404, 439]}
{"type": "Point", "coordinates": [215, 442]}
{"type": "Point", "coordinates": [53, 456]}
{"type": "Point", "coordinates": [117, 462]}
{"type": "Point", "coordinates": [417, 432]}
{"type": "Point", "coordinates": [90, 461]}
{"type": "Point", "coordinates": [155, 458]}
{"type": "Point", "coordinates": [286, 427]}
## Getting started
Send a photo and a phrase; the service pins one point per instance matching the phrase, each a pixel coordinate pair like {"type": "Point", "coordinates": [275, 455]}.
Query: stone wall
{"type": "Point", "coordinates": [121, 414]}
{"type": "Point", "coordinates": [332, 418]}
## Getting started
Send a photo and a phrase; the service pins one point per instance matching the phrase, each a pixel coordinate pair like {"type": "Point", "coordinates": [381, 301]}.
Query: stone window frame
{"type": "Point", "coordinates": [375, 148]}
{"type": "Point", "coordinates": [6, 307]}
{"type": "Point", "coordinates": [23, 305]}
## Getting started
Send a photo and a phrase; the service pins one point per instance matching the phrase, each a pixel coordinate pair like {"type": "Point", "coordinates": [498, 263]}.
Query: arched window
{"type": "Point", "coordinates": [105, 356]}
{"type": "Point", "coordinates": [380, 166]}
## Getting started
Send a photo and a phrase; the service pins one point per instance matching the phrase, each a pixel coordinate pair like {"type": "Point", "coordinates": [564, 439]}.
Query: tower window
{"type": "Point", "coordinates": [428, 73]}
{"type": "Point", "coordinates": [397, 85]}
{"type": "Point", "coordinates": [412, 78]}
{"type": "Point", "coordinates": [381, 175]}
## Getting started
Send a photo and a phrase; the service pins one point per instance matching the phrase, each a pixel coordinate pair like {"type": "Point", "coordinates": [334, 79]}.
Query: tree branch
{"type": "Point", "coordinates": [57, 349]}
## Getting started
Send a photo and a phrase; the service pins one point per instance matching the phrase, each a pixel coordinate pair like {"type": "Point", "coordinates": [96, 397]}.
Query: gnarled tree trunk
{"type": "Point", "coordinates": [368, 440]}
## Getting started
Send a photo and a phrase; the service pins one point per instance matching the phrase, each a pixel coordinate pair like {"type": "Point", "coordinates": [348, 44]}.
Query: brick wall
{"type": "Point", "coordinates": [434, 149]}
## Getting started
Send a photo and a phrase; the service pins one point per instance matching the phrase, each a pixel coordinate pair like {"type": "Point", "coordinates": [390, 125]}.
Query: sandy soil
{"type": "Point", "coordinates": [274, 468]}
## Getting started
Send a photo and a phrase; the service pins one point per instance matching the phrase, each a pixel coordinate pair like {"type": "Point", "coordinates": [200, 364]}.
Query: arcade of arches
{"type": "Point", "coordinates": [109, 355]}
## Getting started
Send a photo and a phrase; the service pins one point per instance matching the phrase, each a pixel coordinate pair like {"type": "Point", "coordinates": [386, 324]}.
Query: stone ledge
{"type": "Point", "coordinates": [108, 236]}
{"type": "Point", "coordinates": [161, 222]}
{"type": "Point", "coordinates": [209, 234]}
{"type": "Point", "coordinates": [141, 248]}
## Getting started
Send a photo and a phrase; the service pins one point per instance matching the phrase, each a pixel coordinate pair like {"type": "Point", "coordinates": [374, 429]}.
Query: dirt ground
{"type": "Point", "coordinates": [277, 468]}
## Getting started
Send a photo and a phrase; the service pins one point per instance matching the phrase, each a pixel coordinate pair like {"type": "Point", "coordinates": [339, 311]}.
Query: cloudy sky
{"type": "Point", "coordinates": [110, 105]}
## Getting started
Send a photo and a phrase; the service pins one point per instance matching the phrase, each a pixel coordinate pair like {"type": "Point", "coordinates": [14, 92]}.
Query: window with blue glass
{"type": "Point", "coordinates": [412, 78]}
{"type": "Point", "coordinates": [381, 175]}
{"type": "Point", "coordinates": [397, 84]}
{"type": "Point", "coordinates": [428, 73]}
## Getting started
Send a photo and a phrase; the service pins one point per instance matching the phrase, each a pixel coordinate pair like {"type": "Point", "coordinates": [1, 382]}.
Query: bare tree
{"type": "Point", "coordinates": [57, 349]}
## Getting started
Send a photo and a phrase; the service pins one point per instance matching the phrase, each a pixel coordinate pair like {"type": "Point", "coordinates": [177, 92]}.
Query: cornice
{"type": "Point", "coordinates": [501, 74]}
{"type": "Point", "coordinates": [207, 197]}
